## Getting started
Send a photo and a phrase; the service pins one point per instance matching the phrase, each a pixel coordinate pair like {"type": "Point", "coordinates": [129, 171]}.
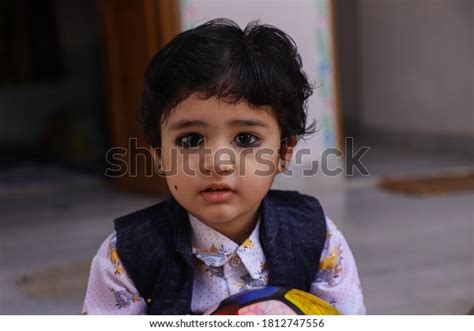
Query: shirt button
{"type": "Point", "coordinates": [234, 262]}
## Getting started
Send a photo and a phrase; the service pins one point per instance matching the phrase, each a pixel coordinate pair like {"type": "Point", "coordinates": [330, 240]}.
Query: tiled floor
{"type": "Point", "coordinates": [415, 255]}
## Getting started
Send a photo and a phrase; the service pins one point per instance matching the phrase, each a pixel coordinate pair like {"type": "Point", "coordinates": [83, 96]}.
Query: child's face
{"type": "Point", "coordinates": [220, 150]}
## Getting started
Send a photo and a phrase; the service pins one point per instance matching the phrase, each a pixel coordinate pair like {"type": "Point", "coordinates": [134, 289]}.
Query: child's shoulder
{"type": "Point", "coordinates": [108, 244]}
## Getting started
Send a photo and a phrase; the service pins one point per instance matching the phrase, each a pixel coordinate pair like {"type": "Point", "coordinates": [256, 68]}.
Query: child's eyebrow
{"type": "Point", "coordinates": [183, 124]}
{"type": "Point", "coordinates": [250, 122]}
{"type": "Point", "coordinates": [192, 123]}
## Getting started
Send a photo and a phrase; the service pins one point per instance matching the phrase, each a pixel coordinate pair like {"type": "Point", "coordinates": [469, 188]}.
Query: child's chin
{"type": "Point", "coordinates": [216, 219]}
{"type": "Point", "coordinates": [215, 215]}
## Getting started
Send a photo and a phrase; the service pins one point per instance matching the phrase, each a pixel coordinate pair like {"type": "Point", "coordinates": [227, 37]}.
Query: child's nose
{"type": "Point", "coordinates": [219, 159]}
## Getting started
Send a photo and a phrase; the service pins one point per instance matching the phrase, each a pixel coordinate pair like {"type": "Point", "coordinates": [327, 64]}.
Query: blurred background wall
{"type": "Point", "coordinates": [407, 73]}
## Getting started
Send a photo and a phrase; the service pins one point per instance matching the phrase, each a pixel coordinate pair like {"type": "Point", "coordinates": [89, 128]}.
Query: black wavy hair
{"type": "Point", "coordinates": [259, 65]}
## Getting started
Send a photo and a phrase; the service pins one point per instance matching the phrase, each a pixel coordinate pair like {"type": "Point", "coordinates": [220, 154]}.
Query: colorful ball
{"type": "Point", "coordinates": [273, 301]}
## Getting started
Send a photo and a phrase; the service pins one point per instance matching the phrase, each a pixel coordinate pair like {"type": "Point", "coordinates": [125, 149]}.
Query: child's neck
{"type": "Point", "coordinates": [240, 228]}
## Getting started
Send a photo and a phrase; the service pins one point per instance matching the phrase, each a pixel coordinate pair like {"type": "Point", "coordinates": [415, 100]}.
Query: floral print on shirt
{"type": "Point", "coordinates": [212, 256]}
{"type": "Point", "coordinates": [123, 298]}
{"type": "Point", "coordinates": [113, 255]}
{"type": "Point", "coordinates": [330, 268]}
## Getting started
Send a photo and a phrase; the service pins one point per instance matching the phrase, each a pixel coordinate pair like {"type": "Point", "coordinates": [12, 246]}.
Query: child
{"type": "Point", "coordinates": [223, 109]}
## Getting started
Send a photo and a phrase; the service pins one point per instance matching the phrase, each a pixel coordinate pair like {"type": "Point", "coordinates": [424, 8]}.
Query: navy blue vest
{"type": "Point", "coordinates": [154, 245]}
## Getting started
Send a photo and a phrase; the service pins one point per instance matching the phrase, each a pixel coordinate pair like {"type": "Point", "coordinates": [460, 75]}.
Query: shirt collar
{"type": "Point", "coordinates": [215, 249]}
{"type": "Point", "coordinates": [251, 253]}
{"type": "Point", "coordinates": [209, 245]}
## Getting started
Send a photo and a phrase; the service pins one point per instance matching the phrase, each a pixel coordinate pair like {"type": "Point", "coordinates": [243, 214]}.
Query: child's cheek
{"type": "Point", "coordinates": [179, 179]}
{"type": "Point", "coordinates": [264, 163]}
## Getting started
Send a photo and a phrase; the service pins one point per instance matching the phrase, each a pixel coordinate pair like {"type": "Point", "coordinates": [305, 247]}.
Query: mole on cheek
{"type": "Point", "coordinates": [176, 187]}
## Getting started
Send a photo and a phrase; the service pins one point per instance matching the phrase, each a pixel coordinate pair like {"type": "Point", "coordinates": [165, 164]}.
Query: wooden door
{"type": "Point", "coordinates": [132, 32]}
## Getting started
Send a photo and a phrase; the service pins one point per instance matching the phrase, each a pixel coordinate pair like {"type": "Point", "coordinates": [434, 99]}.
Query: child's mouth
{"type": "Point", "coordinates": [213, 195]}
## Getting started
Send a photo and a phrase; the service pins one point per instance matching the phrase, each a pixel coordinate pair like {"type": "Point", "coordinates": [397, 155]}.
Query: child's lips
{"type": "Point", "coordinates": [217, 196]}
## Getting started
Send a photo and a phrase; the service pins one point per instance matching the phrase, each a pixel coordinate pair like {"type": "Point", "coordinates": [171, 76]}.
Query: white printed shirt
{"type": "Point", "coordinates": [223, 268]}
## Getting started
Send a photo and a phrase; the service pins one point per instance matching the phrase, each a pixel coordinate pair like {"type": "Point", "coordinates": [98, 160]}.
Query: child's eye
{"type": "Point", "coordinates": [247, 140]}
{"type": "Point", "coordinates": [190, 140]}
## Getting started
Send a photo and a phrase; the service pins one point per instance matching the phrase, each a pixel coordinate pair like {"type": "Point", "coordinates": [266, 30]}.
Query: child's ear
{"type": "Point", "coordinates": [155, 153]}
{"type": "Point", "coordinates": [287, 148]}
